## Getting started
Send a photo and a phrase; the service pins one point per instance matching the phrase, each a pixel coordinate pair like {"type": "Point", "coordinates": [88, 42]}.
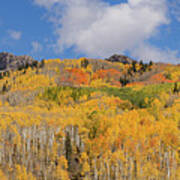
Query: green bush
{"type": "Point", "coordinates": [51, 93]}
{"type": "Point", "coordinates": [136, 97]}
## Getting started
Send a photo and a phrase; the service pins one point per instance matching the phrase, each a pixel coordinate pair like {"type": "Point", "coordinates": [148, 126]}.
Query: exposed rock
{"type": "Point", "coordinates": [9, 61]}
{"type": "Point", "coordinates": [120, 58]}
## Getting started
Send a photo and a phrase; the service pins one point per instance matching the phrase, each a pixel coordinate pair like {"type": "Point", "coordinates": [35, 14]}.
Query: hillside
{"type": "Point", "coordinates": [88, 119]}
{"type": "Point", "coordinates": [9, 62]}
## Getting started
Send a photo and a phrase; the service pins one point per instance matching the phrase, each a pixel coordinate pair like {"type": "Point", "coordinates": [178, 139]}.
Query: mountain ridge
{"type": "Point", "coordinates": [9, 61]}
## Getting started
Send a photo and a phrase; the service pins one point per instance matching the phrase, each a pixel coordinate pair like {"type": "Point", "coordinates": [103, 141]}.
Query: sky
{"type": "Point", "coordinates": [47, 29]}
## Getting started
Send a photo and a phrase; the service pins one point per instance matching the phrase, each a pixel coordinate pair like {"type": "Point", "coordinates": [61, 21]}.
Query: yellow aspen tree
{"type": "Point", "coordinates": [85, 168]}
{"type": "Point", "coordinates": [61, 169]}
{"type": "Point", "coordinates": [22, 174]}
{"type": "Point", "coordinates": [2, 176]}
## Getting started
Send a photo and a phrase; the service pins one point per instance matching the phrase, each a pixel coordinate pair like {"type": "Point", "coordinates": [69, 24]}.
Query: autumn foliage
{"type": "Point", "coordinates": [159, 78]}
{"type": "Point", "coordinates": [70, 120]}
{"type": "Point", "coordinates": [76, 77]}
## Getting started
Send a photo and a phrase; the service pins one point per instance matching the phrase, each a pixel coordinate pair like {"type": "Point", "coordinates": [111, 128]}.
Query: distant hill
{"type": "Point", "coordinates": [117, 70]}
{"type": "Point", "coordinates": [120, 58]}
{"type": "Point", "coordinates": [9, 61]}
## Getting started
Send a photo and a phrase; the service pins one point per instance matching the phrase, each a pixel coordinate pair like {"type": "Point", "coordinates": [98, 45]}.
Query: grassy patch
{"type": "Point", "coordinates": [136, 97]}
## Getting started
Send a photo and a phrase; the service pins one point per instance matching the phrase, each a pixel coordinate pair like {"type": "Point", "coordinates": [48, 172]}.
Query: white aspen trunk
{"type": "Point", "coordinates": [28, 141]}
{"type": "Point", "coordinates": [102, 177]}
{"type": "Point", "coordinates": [174, 164]}
{"type": "Point", "coordinates": [168, 165]}
{"type": "Point", "coordinates": [1, 153]}
{"type": "Point", "coordinates": [77, 138]}
{"type": "Point", "coordinates": [41, 138]}
{"type": "Point", "coordinates": [72, 134]}
{"type": "Point", "coordinates": [120, 169]}
{"type": "Point", "coordinates": [24, 146]}
{"type": "Point", "coordinates": [116, 174]}
{"type": "Point", "coordinates": [129, 168]}
{"type": "Point", "coordinates": [82, 146]}
{"type": "Point", "coordinates": [10, 156]}
{"type": "Point", "coordinates": [95, 171]}
{"type": "Point", "coordinates": [108, 171]}
{"type": "Point", "coordinates": [141, 169]}
{"type": "Point", "coordinates": [104, 173]}
{"type": "Point", "coordinates": [63, 145]}
{"type": "Point", "coordinates": [160, 157]}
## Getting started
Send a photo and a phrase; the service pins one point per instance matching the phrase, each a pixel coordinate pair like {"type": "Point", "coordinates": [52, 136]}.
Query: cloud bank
{"type": "Point", "coordinates": [99, 29]}
{"type": "Point", "coordinates": [148, 52]}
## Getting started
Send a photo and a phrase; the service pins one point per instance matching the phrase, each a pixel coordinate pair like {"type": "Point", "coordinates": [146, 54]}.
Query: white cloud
{"type": "Point", "coordinates": [98, 29]}
{"type": "Point", "coordinates": [148, 52]}
{"type": "Point", "coordinates": [36, 46]}
{"type": "Point", "coordinates": [16, 35]}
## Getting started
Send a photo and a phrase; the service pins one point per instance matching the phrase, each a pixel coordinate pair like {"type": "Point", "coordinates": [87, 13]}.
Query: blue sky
{"type": "Point", "coordinates": [142, 29]}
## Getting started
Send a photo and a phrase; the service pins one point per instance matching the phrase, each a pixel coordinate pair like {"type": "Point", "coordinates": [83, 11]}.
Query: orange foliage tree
{"type": "Point", "coordinates": [76, 77]}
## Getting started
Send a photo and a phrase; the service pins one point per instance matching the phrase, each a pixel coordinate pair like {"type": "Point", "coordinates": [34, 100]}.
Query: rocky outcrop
{"type": "Point", "coordinates": [120, 58]}
{"type": "Point", "coordinates": [9, 61]}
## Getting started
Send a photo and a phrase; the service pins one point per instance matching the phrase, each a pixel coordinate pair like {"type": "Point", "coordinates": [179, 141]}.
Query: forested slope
{"type": "Point", "coordinates": [90, 119]}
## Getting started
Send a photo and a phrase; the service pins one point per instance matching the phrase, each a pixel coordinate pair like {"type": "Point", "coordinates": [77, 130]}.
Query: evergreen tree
{"type": "Point", "coordinates": [134, 66]}
{"type": "Point", "coordinates": [176, 89]}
